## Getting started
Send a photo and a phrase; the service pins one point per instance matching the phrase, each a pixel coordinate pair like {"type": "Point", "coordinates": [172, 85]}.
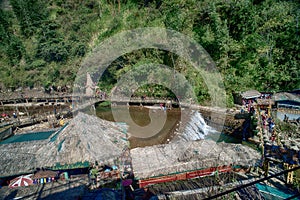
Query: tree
{"type": "Point", "coordinates": [30, 14]}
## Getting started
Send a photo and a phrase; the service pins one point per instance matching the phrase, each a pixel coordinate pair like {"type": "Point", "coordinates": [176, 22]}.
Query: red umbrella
{"type": "Point", "coordinates": [23, 180]}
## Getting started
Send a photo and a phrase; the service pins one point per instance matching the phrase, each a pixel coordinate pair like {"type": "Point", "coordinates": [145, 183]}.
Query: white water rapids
{"type": "Point", "coordinates": [196, 128]}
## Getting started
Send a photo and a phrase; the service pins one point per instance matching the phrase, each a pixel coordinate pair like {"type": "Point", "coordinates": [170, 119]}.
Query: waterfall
{"type": "Point", "coordinates": [195, 128]}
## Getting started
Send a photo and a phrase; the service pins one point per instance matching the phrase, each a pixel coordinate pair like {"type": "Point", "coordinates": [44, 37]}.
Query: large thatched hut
{"type": "Point", "coordinates": [85, 139]}
{"type": "Point", "coordinates": [171, 160]}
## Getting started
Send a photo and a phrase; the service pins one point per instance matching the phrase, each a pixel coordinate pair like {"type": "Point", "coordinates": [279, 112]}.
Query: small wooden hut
{"type": "Point", "coordinates": [265, 104]}
{"type": "Point", "coordinates": [251, 95]}
{"type": "Point", "coordinates": [247, 96]}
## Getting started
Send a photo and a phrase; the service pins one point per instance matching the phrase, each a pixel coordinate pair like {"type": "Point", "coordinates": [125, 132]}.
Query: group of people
{"type": "Point", "coordinates": [5, 116]}
{"type": "Point", "coordinates": [268, 121]}
{"type": "Point", "coordinates": [100, 94]}
{"type": "Point", "coordinates": [247, 106]}
{"type": "Point", "coordinates": [98, 173]}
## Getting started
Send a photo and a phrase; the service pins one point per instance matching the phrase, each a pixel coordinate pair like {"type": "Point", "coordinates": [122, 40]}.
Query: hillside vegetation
{"type": "Point", "coordinates": [254, 43]}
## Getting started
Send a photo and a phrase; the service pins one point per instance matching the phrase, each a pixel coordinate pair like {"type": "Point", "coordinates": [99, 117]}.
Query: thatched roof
{"type": "Point", "coordinates": [193, 184]}
{"type": "Point", "coordinates": [183, 156]}
{"type": "Point", "coordinates": [86, 138]}
{"type": "Point", "coordinates": [19, 158]}
{"type": "Point", "coordinates": [204, 187]}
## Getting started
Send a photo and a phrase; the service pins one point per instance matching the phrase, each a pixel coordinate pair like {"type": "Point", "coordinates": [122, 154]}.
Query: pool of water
{"type": "Point", "coordinates": [141, 118]}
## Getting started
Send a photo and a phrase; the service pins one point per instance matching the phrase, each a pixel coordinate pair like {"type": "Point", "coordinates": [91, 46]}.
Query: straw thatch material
{"type": "Point", "coordinates": [86, 138]}
{"type": "Point", "coordinates": [183, 156]}
{"type": "Point", "coordinates": [18, 158]}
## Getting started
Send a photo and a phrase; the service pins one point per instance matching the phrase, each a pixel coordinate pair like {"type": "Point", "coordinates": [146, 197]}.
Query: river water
{"type": "Point", "coordinates": [194, 126]}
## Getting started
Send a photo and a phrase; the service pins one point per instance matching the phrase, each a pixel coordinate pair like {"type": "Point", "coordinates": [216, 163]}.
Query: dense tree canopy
{"type": "Point", "coordinates": [255, 44]}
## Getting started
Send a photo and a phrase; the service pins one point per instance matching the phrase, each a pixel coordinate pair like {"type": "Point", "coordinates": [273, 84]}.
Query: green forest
{"type": "Point", "coordinates": [254, 43]}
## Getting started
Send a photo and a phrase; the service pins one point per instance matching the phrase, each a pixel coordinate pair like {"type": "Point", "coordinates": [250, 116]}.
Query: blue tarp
{"type": "Point", "coordinates": [28, 137]}
{"type": "Point", "coordinates": [274, 192]}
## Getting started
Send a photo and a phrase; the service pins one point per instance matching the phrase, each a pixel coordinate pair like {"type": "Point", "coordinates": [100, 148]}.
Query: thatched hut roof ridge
{"type": "Point", "coordinates": [86, 138]}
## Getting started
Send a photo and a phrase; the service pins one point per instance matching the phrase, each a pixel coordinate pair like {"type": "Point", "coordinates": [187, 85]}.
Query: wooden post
{"type": "Point", "coordinates": [269, 108]}
{"type": "Point", "coordinates": [263, 149]}
{"type": "Point", "coordinates": [16, 107]}
{"type": "Point", "coordinates": [26, 110]}
{"type": "Point", "coordinates": [2, 106]}
{"type": "Point", "coordinates": [266, 167]}
{"type": "Point", "coordinates": [290, 175]}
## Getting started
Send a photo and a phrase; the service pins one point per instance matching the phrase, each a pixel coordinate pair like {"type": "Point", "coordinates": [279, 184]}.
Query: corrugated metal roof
{"type": "Point", "coordinates": [285, 96]}
{"type": "Point", "coordinates": [250, 94]}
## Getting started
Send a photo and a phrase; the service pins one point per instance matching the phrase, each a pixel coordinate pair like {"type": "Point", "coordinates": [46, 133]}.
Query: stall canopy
{"type": "Point", "coordinates": [251, 94]}
{"type": "Point", "coordinates": [45, 174]}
